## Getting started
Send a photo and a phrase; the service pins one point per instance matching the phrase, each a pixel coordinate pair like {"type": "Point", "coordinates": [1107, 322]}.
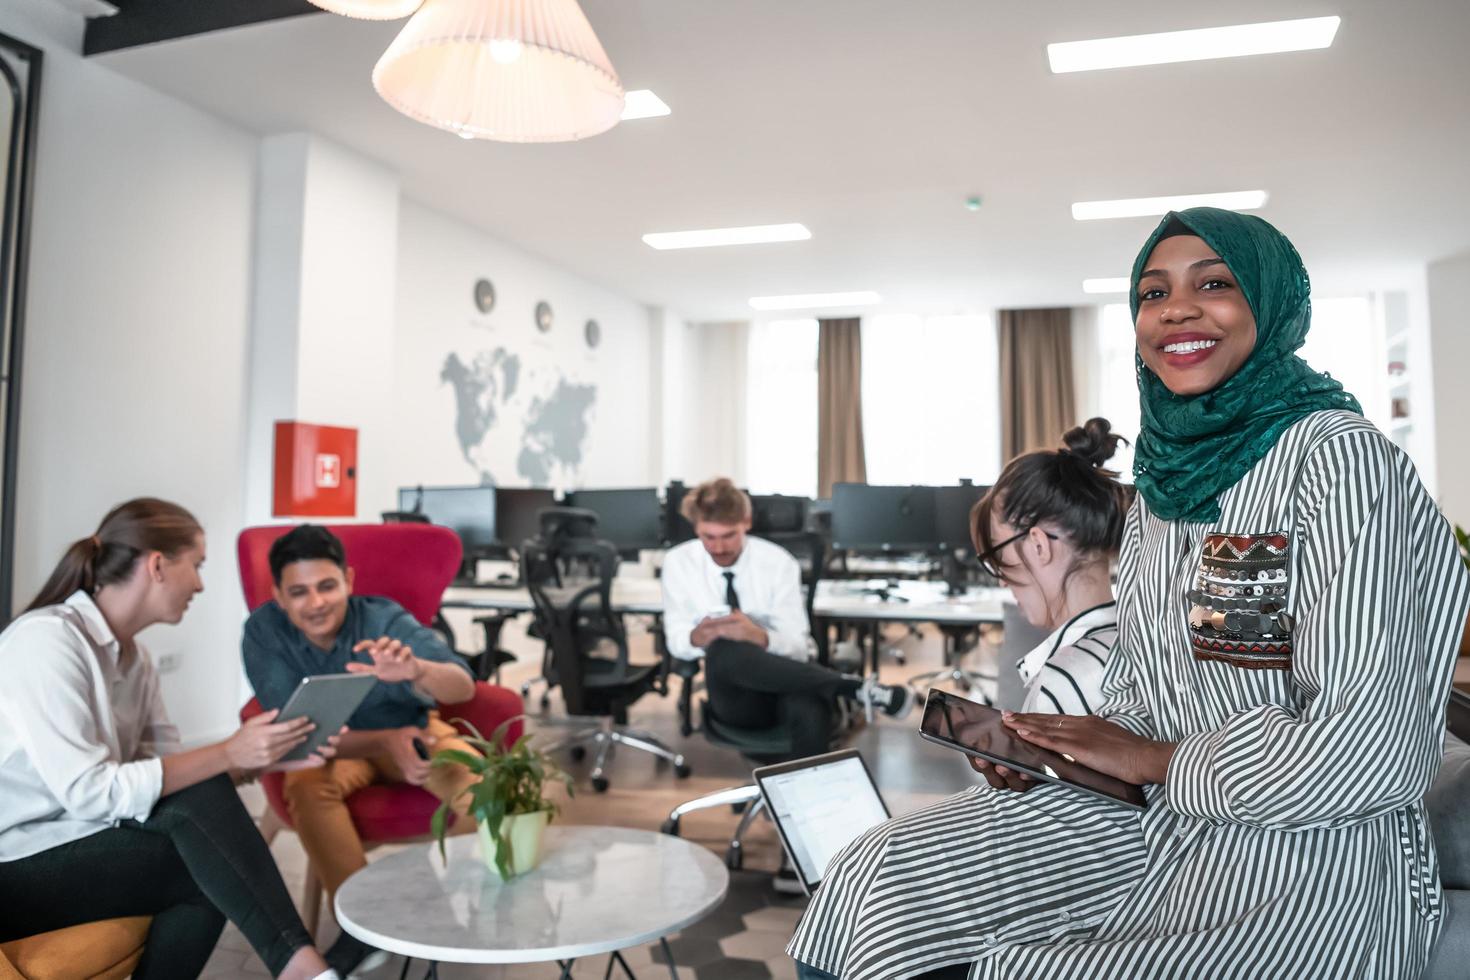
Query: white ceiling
{"type": "Point", "coordinates": [871, 121]}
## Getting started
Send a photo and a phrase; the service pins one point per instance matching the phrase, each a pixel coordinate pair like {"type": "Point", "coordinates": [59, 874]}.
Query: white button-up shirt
{"type": "Point", "coordinates": [82, 727]}
{"type": "Point", "coordinates": [767, 582]}
{"type": "Point", "coordinates": [1064, 673]}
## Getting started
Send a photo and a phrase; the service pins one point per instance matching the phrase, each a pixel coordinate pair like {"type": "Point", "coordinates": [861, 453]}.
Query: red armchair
{"type": "Point", "coordinates": [411, 564]}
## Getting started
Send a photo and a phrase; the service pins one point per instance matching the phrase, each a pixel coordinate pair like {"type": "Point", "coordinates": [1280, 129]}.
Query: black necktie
{"type": "Point", "coordinates": [731, 599]}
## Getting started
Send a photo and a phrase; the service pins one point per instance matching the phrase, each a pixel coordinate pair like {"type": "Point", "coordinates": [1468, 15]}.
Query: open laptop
{"type": "Point", "coordinates": [820, 805]}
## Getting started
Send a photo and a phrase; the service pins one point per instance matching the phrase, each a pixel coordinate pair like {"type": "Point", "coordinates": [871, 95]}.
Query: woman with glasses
{"type": "Point", "coordinates": [1290, 603]}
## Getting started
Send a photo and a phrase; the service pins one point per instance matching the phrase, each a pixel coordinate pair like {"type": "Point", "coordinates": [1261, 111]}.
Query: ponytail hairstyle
{"type": "Point", "coordinates": [1066, 488]}
{"type": "Point", "coordinates": [107, 557]}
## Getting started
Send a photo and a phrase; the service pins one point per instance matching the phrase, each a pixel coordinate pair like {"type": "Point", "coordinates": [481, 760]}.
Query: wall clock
{"type": "Point", "coordinates": [543, 316]}
{"type": "Point", "coordinates": [484, 295]}
{"type": "Point", "coordinates": [593, 333]}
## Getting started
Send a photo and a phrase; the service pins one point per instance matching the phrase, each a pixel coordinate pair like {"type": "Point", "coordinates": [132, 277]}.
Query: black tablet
{"type": "Point", "coordinates": [977, 730]}
{"type": "Point", "coordinates": [328, 700]}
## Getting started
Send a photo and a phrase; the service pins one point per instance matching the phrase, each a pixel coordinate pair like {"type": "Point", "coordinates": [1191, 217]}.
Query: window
{"type": "Point", "coordinates": [1117, 383]}
{"type": "Point", "coordinates": [931, 405]}
{"type": "Point", "coordinates": [781, 408]}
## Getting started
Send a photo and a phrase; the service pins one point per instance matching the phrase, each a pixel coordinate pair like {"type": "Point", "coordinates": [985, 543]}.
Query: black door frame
{"type": "Point", "coordinates": [15, 236]}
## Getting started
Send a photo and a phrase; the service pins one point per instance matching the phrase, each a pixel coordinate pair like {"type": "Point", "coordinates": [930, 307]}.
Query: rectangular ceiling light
{"type": "Point", "coordinates": [814, 301]}
{"type": "Point", "coordinates": [641, 103]}
{"type": "Point", "coordinates": [754, 235]}
{"type": "Point", "coordinates": [1118, 285]}
{"type": "Point", "coordinates": [1135, 207]}
{"type": "Point", "coordinates": [1197, 45]}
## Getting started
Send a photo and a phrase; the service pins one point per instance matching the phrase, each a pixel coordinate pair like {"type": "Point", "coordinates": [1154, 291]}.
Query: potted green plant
{"type": "Point", "coordinates": [507, 801]}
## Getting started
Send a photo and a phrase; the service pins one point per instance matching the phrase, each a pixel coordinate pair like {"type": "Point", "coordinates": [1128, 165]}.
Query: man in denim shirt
{"type": "Point", "coordinates": [315, 625]}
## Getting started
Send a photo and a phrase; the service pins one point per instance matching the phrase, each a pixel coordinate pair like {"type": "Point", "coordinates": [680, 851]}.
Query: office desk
{"type": "Point", "coordinates": [639, 596]}
{"type": "Point", "coordinates": [907, 602]}
{"type": "Point", "coordinates": [870, 604]}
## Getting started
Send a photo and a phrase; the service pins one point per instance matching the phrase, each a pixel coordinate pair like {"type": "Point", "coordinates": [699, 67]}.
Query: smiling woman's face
{"type": "Point", "coordinates": [1194, 328]}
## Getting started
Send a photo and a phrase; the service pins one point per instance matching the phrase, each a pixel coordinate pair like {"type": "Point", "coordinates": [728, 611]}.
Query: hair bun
{"type": "Point", "coordinates": [1094, 442]}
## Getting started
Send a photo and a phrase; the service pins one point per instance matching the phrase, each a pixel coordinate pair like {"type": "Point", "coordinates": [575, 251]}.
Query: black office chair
{"type": "Point", "coordinates": [759, 747]}
{"type": "Point", "coordinates": [576, 618]}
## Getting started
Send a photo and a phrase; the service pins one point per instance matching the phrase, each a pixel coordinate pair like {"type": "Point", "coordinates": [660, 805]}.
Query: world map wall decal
{"type": "Point", "coordinates": [536, 416]}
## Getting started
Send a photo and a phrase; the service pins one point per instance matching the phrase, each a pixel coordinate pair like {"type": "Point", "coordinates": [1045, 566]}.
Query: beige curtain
{"type": "Point", "coordinates": [840, 456]}
{"type": "Point", "coordinates": [1037, 403]}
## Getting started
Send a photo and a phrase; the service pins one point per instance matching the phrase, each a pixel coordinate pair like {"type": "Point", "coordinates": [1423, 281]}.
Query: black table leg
{"type": "Point", "coordinates": [669, 955]}
{"type": "Point", "coordinates": [566, 969]}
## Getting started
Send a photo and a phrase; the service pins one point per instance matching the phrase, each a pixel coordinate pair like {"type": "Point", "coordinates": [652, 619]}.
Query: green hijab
{"type": "Point", "coordinates": [1192, 448]}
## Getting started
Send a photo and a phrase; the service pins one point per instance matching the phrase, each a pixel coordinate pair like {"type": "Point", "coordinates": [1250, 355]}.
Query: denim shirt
{"type": "Point", "coordinates": [278, 655]}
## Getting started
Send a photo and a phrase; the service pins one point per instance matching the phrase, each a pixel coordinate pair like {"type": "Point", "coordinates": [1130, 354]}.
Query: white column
{"type": "Point", "coordinates": [322, 331]}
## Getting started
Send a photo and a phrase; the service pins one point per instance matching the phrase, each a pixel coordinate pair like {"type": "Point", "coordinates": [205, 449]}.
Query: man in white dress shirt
{"type": "Point", "coordinates": [737, 601]}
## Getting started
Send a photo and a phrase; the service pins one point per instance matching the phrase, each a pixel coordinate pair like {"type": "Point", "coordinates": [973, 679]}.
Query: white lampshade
{"type": "Point", "coordinates": [522, 71]}
{"type": "Point", "coordinates": [370, 9]}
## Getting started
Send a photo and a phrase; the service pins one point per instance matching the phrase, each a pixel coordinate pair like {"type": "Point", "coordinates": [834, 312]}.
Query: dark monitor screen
{"type": "Point", "coordinates": [516, 510]}
{"type": "Point", "coordinates": [952, 506]}
{"type": "Point", "coordinates": [676, 529]}
{"type": "Point", "coordinates": [467, 511]}
{"type": "Point", "coordinates": [776, 513]}
{"type": "Point", "coordinates": [868, 518]}
{"type": "Point", "coordinates": [630, 519]}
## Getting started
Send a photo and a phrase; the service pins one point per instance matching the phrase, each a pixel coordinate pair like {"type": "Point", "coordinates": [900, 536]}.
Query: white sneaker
{"type": "Point", "coordinates": [894, 700]}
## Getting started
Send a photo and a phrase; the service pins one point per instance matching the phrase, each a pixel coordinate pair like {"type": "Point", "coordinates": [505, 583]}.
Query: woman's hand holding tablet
{"type": "Point", "coordinates": [1096, 743]}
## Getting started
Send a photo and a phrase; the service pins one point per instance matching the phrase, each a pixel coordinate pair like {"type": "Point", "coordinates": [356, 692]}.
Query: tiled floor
{"type": "Point", "coordinates": [744, 937]}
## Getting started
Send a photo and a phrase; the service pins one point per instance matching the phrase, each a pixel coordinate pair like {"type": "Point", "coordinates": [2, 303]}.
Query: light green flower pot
{"type": "Point", "coordinates": [522, 833]}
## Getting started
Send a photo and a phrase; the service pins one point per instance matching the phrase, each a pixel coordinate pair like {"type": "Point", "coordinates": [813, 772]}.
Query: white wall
{"type": "Point", "coordinates": [1449, 328]}
{"type": "Point", "coordinates": [439, 260]}
{"type": "Point", "coordinates": [136, 331]}
{"type": "Point", "coordinates": [323, 330]}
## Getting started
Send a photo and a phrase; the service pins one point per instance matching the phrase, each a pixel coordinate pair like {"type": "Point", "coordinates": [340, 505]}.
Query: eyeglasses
{"type": "Point", "coordinates": [987, 557]}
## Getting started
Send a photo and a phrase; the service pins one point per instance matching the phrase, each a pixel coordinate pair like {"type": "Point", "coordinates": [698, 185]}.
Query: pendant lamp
{"type": "Point", "coordinates": [521, 71]}
{"type": "Point", "coordinates": [370, 9]}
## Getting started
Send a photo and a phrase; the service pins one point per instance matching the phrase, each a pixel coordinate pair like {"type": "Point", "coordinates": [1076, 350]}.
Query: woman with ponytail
{"type": "Point", "coordinates": [101, 813]}
{"type": "Point", "coordinates": [1049, 529]}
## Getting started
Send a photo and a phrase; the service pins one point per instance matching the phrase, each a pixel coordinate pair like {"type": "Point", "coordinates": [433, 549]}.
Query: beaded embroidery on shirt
{"type": "Point", "coordinates": [1237, 609]}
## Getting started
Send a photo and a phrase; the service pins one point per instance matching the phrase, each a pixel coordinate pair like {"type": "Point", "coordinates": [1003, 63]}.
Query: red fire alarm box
{"type": "Point", "coordinates": [315, 471]}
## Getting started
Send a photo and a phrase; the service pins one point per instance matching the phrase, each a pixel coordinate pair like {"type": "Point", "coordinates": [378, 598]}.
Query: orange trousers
{"type": "Point", "coordinates": [317, 800]}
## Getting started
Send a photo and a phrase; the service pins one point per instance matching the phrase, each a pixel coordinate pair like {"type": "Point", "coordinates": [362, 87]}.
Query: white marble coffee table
{"type": "Point", "coordinates": [598, 890]}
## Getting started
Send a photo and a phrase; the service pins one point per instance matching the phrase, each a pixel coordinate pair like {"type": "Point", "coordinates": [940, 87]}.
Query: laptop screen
{"type": "Point", "coordinates": [820, 805]}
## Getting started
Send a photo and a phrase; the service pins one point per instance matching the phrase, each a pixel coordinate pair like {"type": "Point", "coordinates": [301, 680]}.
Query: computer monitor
{"type": "Point", "coordinates": [677, 530]}
{"type": "Point", "coordinates": [952, 506]}
{"type": "Point", "coordinates": [516, 510]}
{"type": "Point", "coordinates": [882, 519]}
{"type": "Point", "coordinates": [630, 519]}
{"type": "Point", "coordinates": [467, 511]}
{"type": "Point", "coordinates": [775, 513]}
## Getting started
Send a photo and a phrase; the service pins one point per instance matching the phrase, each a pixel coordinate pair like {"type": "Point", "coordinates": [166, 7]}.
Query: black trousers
{"type": "Point", "coordinates": [197, 860]}
{"type": "Point", "coordinates": [751, 688]}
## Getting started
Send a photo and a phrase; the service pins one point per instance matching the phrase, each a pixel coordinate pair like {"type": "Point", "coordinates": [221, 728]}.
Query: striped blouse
{"type": "Point", "coordinates": [1064, 674]}
{"type": "Point", "coordinates": [1299, 652]}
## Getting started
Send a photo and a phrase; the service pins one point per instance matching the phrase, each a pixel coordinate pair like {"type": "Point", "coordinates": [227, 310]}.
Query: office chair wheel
{"type": "Point", "coordinates": [670, 826]}
{"type": "Point", "coordinates": [578, 752]}
{"type": "Point", "coordinates": [599, 784]}
{"type": "Point", "coordinates": [682, 771]}
{"type": "Point", "coordinates": [735, 858]}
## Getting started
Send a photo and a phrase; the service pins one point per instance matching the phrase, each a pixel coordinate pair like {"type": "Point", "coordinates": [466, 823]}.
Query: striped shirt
{"type": "Point", "coordinates": [1064, 674]}
{"type": "Point", "coordinates": [1289, 838]}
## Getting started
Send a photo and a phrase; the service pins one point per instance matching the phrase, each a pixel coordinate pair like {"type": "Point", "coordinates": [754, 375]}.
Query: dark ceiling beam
{"type": "Point", "coordinates": [139, 22]}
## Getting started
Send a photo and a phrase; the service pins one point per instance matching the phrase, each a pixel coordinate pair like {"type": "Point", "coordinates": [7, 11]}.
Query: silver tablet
{"type": "Point", "coordinates": [328, 700]}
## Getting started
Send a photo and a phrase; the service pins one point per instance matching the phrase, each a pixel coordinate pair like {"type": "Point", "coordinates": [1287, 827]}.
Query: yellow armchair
{"type": "Point", "coordinates": [104, 950]}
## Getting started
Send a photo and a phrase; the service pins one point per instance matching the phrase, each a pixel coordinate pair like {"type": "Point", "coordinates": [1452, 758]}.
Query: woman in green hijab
{"type": "Point", "coordinates": [1289, 607]}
